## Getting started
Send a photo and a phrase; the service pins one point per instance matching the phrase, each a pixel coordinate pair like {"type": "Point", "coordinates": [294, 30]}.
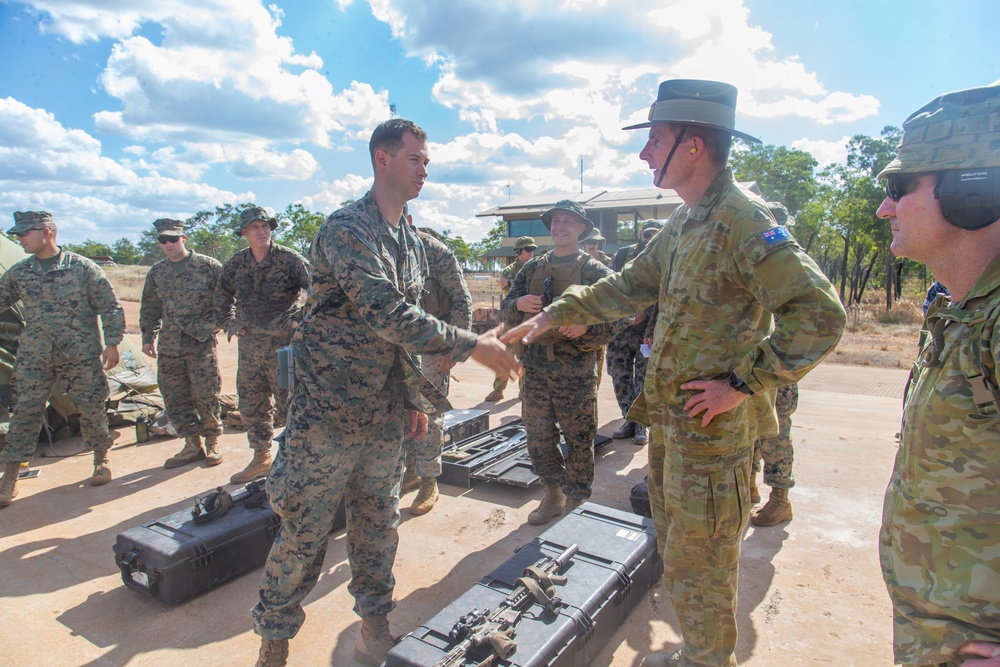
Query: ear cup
{"type": "Point", "coordinates": [969, 198]}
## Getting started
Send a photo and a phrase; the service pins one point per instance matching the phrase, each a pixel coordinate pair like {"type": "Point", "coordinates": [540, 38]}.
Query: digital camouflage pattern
{"type": "Point", "coordinates": [344, 435]}
{"type": "Point", "coordinates": [510, 273]}
{"type": "Point", "coordinates": [177, 312]}
{"type": "Point", "coordinates": [777, 451]}
{"type": "Point", "coordinates": [718, 271]}
{"type": "Point", "coordinates": [446, 297]}
{"type": "Point", "coordinates": [560, 386]}
{"type": "Point", "coordinates": [261, 299]}
{"type": "Point", "coordinates": [25, 221]}
{"type": "Point", "coordinates": [940, 537]}
{"type": "Point", "coordinates": [60, 340]}
{"type": "Point", "coordinates": [626, 365]}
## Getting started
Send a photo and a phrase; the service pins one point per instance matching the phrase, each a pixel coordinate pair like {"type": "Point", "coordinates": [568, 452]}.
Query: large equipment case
{"type": "Point", "coordinates": [176, 557]}
{"type": "Point", "coordinates": [616, 564]}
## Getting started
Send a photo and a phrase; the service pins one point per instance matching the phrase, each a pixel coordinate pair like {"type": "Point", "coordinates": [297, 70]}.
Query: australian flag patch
{"type": "Point", "coordinates": [775, 235]}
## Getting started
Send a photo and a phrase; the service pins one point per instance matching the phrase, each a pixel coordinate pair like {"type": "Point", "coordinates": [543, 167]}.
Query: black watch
{"type": "Point", "coordinates": [737, 383]}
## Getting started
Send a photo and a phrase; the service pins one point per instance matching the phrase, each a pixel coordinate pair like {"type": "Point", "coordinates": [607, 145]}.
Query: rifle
{"type": "Point", "coordinates": [496, 629]}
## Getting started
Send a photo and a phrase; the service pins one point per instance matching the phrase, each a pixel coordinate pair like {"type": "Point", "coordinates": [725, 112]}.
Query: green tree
{"type": "Point", "coordinates": [783, 174]}
{"type": "Point", "coordinates": [89, 248]}
{"type": "Point", "coordinates": [298, 226]}
{"type": "Point", "coordinates": [126, 252]}
{"type": "Point", "coordinates": [493, 240]}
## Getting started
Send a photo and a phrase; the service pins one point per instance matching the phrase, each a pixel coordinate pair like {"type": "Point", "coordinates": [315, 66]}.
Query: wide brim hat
{"type": "Point", "coordinates": [696, 102]}
{"type": "Point", "coordinates": [25, 221]}
{"type": "Point", "coordinates": [572, 207]}
{"type": "Point", "coordinates": [593, 237]}
{"type": "Point", "coordinates": [251, 214]}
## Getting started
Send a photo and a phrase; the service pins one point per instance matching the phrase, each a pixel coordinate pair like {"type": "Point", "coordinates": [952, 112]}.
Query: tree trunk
{"type": "Point", "coordinates": [843, 270]}
{"type": "Point", "coordinates": [888, 281]}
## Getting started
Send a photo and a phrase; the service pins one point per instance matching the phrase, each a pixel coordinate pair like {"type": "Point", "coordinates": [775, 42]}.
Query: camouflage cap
{"type": "Point", "coordinates": [572, 207]}
{"type": "Point", "coordinates": [250, 214]}
{"type": "Point", "coordinates": [593, 237]}
{"type": "Point", "coordinates": [780, 213]}
{"type": "Point", "coordinates": [651, 224]}
{"type": "Point", "coordinates": [954, 131]}
{"type": "Point", "coordinates": [25, 221]}
{"type": "Point", "coordinates": [169, 226]}
{"type": "Point", "coordinates": [525, 242]}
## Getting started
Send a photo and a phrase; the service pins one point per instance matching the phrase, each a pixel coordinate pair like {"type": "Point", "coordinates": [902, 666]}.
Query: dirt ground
{"type": "Point", "coordinates": [810, 590]}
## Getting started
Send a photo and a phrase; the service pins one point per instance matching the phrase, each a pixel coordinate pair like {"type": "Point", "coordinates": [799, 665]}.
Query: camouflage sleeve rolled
{"type": "Point", "coordinates": [150, 310]}
{"type": "Point", "coordinates": [9, 294]}
{"type": "Point", "coordinates": [105, 303]}
{"type": "Point", "coordinates": [225, 296]}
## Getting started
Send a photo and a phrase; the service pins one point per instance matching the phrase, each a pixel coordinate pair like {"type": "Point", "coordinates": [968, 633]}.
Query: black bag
{"type": "Point", "coordinates": [640, 499]}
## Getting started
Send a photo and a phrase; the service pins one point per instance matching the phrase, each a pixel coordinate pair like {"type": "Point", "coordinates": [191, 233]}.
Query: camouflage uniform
{"type": "Point", "coordinates": [560, 385]}
{"type": "Point", "coordinates": [344, 437]}
{"type": "Point", "coordinates": [626, 365]}
{"type": "Point", "coordinates": [266, 308]}
{"type": "Point", "coordinates": [716, 271]}
{"type": "Point", "coordinates": [60, 341]}
{"type": "Point", "coordinates": [510, 273]}
{"type": "Point", "coordinates": [446, 297]}
{"type": "Point", "coordinates": [177, 312]}
{"type": "Point", "coordinates": [777, 451]}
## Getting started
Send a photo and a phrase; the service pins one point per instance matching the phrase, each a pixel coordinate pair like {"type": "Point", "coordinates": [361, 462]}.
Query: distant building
{"type": "Point", "coordinates": [102, 260]}
{"type": "Point", "coordinates": [612, 211]}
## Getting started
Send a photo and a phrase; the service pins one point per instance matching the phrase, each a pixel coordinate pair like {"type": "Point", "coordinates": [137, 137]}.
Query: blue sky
{"type": "Point", "coordinates": [116, 112]}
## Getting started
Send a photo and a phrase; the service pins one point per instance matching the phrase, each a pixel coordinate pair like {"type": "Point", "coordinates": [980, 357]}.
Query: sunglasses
{"type": "Point", "coordinates": [649, 233]}
{"type": "Point", "coordinates": [898, 185]}
{"type": "Point", "coordinates": [164, 239]}
{"type": "Point", "coordinates": [28, 231]}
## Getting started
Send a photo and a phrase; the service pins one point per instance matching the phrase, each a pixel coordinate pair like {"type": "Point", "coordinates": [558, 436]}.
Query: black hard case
{"type": "Point", "coordinates": [616, 564]}
{"type": "Point", "coordinates": [172, 559]}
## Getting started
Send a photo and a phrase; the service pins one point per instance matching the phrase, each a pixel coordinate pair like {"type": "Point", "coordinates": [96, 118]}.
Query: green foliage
{"type": "Point", "coordinates": [493, 240]}
{"type": "Point", "coordinates": [125, 252]}
{"type": "Point", "coordinates": [88, 248]}
{"type": "Point", "coordinates": [297, 226]}
{"type": "Point", "coordinates": [783, 174]}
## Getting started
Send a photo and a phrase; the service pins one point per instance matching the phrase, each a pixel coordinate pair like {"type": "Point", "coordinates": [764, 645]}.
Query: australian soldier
{"type": "Point", "coordinates": [177, 321]}
{"type": "Point", "coordinates": [258, 300]}
{"type": "Point", "coordinates": [62, 295]}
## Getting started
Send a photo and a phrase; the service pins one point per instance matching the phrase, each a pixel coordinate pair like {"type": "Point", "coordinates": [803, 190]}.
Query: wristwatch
{"type": "Point", "coordinates": [737, 383]}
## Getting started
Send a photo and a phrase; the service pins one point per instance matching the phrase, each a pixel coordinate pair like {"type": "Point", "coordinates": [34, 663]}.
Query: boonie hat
{"type": "Point", "coordinates": [251, 214]}
{"type": "Point", "coordinates": [525, 242]}
{"type": "Point", "coordinates": [572, 207]}
{"type": "Point", "coordinates": [594, 237]}
{"type": "Point", "coordinates": [650, 224]}
{"type": "Point", "coordinates": [957, 130]}
{"type": "Point", "coordinates": [780, 213]}
{"type": "Point", "coordinates": [25, 221]}
{"type": "Point", "coordinates": [698, 102]}
{"type": "Point", "coordinates": [169, 226]}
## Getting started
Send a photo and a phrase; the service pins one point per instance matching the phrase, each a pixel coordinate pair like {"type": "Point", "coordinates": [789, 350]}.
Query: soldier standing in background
{"type": "Point", "coordinates": [354, 379]}
{"type": "Point", "coordinates": [524, 249]}
{"type": "Point", "coordinates": [62, 294]}
{"type": "Point", "coordinates": [626, 363]}
{"type": "Point", "coordinates": [177, 314]}
{"type": "Point", "coordinates": [776, 452]}
{"type": "Point", "coordinates": [258, 301]}
{"type": "Point", "coordinates": [446, 297]}
{"type": "Point", "coordinates": [940, 537]}
{"type": "Point", "coordinates": [593, 245]}
{"type": "Point", "coordinates": [720, 270]}
{"type": "Point", "coordinates": [560, 369]}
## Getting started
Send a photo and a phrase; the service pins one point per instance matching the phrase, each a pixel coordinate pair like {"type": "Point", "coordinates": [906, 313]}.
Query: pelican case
{"type": "Point", "coordinates": [462, 424]}
{"type": "Point", "coordinates": [617, 562]}
{"type": "Point", "coordinates": [186, 553]}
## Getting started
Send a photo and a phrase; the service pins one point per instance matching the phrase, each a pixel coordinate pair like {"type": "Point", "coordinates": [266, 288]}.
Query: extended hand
{"type": "Point", "coordinates": [715, 397]}
{"type": "Point", "coordinates": [493, 354]}
{"type": "Point", "coordinates": [990, 651]}
{"type": "Point", "coordinates": [528, 331]}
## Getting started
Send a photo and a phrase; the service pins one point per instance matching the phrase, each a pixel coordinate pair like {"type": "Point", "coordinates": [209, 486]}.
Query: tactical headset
{"type": "Point", "coordinates": [969, 198]}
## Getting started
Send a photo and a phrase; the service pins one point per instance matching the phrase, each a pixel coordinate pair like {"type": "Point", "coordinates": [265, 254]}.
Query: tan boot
{"type": "Point", "coordinates": [257, 468]}
{"type": "Point", "coordinates": [374, 641]}
{"type": "Point", "coordinates": [411, 480]}
{"type": "Point", "coordinates": [552, 505]}
{"type": "Point", "coordinates": [8, 487]}
{"type": "Point", "coordinates": [213, 455]}
{"type": "Point", "coordinates": [494, 396]}
{"type": "Point", "coordinates": [426, 497]}
{"type": "Point", "coordinates": [273, 653]}
{"type": "Point", "coordinates": [661, 660]}
{"type": "Point", "coordinates": [192, 452]}
{"type": "Point", "coordinates": [572, 504]}
{"type": "Point", "coordinates": [754, 489]}
{"type": "Point", "coordinates": [102, 468]}
{"type": "Point", "coordinates": [777, 509]}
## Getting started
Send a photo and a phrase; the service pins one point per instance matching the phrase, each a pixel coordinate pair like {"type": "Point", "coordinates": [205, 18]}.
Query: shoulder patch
{"type": "Point", "coordinates": [763, 243]}
{"type": "Point", "coordinates": [775, 235]}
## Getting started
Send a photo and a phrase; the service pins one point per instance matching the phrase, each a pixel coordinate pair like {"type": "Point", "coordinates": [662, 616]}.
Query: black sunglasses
{"type": "Point", "coordinates": [27, 231]}
{"type": "Point", "coordinates": [164, 239]}
{"type": "Point", "coordinates": [898, 185]}
{"type": "Point", "coordinates": [649, 233]}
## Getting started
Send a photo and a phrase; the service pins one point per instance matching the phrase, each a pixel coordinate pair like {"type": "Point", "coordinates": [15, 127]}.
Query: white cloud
{"type": "Point", "coordinates": [825, 152]}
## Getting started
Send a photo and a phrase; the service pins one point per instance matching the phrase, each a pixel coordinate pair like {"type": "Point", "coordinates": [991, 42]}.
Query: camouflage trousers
{"type": "Point", "coordinates": [329, 454]}
{"type": "Point", "coordinates": [626, 366]}
{"type": "Point", "coordinates": [777, 451]}
{"type": "Point", "coordinates": [32, 382]}
{"type": "Point", "coordinates": [500, 383]}
{"type": "Point", "coordinates": [190, 384]}
{"type": "Point", "coordinates": [257, 385]}
{"type": "Point", "coordinates": [423, 455]}
{"type": "Point", "coordinates": [941, 565]}
{"type": "Point", "coordinates": [556, 401]}
{"type": "Point", "coordinates": [700, 509]}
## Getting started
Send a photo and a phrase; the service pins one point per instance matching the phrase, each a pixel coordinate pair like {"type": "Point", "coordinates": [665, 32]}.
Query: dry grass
{"type": "Point", "coordinates": [875, 337]}
{"type": "Point", "coordinates": [127, 281]}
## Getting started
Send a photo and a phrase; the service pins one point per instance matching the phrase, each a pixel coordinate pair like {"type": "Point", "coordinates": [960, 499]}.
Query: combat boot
{"type": "Point", "coordinates": [777, 509]}
{"type": "Point", "coordinates": [374, 640]}
{"type": "Point", "coordinates": [411, 480]}
{"type": "Point", "coordinates": [8, 487]}
{"type": "Point", "coordinates": [641, 436]}
{"type": "Point", "coordinates": [661, 660]}
{"type": "Point", "coordinates": [273, 653]}
{"type": "Point", "coordinates": [426, 497]}
{"type": "Point", "coordinates": [552, 505]}
{"type": "Point", "coordinates": [102, 468]}
{"type": "Point", "coordinates": [626, 430]}
{"type": "Point", "coordinates": [257, 468]}
{"type": "Point", "coordinates": [754, 489]}
{"type": "Point", "coordinates": [494, 396]}
{"type": "Point", "coordinates": [572, 504]}
{"type": "Point", "coordinates": [213, 455]}
{"type": "Point", "coordinates": [192, 452]}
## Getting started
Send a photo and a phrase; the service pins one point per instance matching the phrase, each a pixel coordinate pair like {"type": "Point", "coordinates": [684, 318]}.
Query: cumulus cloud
{"type": "Point", "coordinates": [825, 152]}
